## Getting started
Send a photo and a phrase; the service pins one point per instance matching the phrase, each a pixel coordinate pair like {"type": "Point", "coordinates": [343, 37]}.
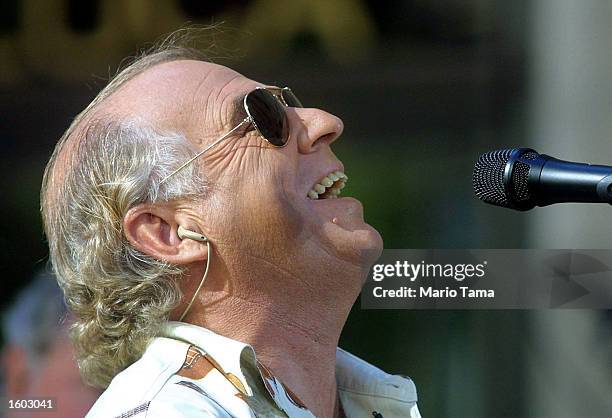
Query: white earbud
{"type": "Point", "coordinates": [187, 234]}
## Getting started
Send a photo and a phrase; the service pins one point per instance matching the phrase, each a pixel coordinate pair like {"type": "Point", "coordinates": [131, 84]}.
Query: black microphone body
{"type": "Point", "coordinates": [522, 179]}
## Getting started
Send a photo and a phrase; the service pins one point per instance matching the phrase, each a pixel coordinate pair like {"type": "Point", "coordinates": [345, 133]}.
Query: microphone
{"type": "Point", "coordinates": [521, 179]}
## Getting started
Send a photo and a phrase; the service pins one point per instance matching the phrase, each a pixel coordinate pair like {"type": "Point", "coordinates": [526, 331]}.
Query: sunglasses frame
{"type": "Point", "coordinates": [277, 92]}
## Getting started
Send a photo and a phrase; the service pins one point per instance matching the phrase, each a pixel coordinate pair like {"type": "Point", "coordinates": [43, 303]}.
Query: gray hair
{"type": "Point", "coordinates": [119, 296]}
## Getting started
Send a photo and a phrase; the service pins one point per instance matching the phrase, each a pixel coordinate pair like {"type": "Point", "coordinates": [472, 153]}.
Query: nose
{"type": "Point", "coordinates": [316, 128]}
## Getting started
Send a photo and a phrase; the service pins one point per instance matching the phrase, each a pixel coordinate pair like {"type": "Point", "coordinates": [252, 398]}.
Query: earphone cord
{"type": "Point", "coordinates": [201, 283]}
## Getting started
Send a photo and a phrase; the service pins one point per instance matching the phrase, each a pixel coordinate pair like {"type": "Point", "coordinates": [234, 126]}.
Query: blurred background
{"type": "Point", "coordinates": [424, 87]}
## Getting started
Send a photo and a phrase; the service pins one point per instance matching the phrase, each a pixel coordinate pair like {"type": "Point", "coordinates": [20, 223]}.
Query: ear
{"type": "Point", "coordinates": [152, 230]}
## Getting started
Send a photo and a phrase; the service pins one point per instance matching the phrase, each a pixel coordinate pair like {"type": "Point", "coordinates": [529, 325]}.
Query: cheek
{"type": "Point", "coordinates": [262, 208]}
{"type": "Point", "coordinates": [272, 212]}
{"type": "Point", "coordinates": [260, 215]}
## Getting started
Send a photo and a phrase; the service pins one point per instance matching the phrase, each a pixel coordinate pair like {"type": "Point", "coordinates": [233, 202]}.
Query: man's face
{"type": "Point", "coordinates": [258, 203]}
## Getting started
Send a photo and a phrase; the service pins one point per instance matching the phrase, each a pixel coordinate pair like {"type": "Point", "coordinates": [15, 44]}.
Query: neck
{"type": "Point", "coordinates": [294, 327]}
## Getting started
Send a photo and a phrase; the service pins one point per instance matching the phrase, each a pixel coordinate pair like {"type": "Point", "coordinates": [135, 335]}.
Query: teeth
{"type": "Point", "coordinates": [327, 182]}
{"type": "Point", "coordinates": [313, 195]}
{"type": "Point", "coordinates": [329, 187]}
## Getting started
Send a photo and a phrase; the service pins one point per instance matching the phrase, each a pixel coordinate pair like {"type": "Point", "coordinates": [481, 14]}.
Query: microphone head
{"type": "Point", "coordinates": [501, 178]}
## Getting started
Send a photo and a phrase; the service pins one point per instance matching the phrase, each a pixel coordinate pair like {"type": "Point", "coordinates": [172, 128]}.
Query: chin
{"type": "Point", "coordinates": [369, 243]}
{"type": "Point", "coordinates": [341, 227]}
{"type": "Point", "coordinates": [360, 245]}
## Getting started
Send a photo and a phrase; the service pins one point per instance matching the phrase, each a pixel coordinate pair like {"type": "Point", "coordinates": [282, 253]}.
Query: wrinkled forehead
{"type": "Point", "coordinates": [191, 96]}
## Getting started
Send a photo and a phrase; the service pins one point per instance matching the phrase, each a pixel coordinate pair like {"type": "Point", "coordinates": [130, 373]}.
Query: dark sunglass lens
{"type": "Point", "coordinates": [268, 116]}
{"type": "Point", "coordinates": [290, 98]}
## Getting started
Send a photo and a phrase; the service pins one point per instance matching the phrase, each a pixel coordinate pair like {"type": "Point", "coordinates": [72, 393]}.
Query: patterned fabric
{"type": "Point", "coordinates": [133, 412]}
{"type": "Point", "coordinates": [193, 386]}
{"type": "Point", "coordinates": [284, 398]}
{"type": "Point", "coordinates": [193, 372]}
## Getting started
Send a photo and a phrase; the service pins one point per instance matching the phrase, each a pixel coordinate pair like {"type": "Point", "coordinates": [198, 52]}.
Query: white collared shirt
{"type": "Point", "coordinates": [239, 386]}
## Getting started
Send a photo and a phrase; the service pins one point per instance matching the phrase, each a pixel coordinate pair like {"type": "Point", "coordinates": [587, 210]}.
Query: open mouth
{"type": "Point", "coordinates": [329, 187]}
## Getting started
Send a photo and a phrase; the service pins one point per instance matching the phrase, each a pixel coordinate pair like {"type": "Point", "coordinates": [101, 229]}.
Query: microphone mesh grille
{"type": "Point", "coordinates": [488, 178]}
{"type": "Point", "coordinates": [530, 155]}
{"type": "Point", "coordinates": [520, 175]}
{"type": "Point", "coordinates": [488, 175]}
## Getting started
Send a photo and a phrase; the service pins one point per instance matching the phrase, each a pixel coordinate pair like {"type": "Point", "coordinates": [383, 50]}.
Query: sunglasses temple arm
{"type": "Point", "coordinates": [192, 159]}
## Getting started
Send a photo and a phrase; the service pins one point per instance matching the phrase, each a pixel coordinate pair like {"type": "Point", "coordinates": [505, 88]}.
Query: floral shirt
{"type": "Point", "coordinates": [193, 372]}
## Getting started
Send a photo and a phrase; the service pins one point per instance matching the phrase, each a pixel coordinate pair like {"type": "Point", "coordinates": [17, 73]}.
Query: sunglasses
{"type": "Point", "coordinates": [265, 109]}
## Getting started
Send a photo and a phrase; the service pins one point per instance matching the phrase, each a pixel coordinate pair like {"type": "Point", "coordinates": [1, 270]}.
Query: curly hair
{"type": "Point", "coordinates": [100, 168]}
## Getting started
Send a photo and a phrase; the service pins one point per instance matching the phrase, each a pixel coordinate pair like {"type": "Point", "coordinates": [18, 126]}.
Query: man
{"type": "Point", "coordinates": [188, 192]}
{"type": "Point", "coordinates": [38, 360]}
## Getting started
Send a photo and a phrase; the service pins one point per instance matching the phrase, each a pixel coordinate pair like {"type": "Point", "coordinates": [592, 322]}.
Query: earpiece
{"type": "Point", "coordinates": [187, 234]}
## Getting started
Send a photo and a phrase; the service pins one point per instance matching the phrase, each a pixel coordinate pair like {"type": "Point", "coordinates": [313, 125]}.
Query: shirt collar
{"type": "Point", "coordinates": [233, 357]}
{"type": "Point", "coordinates": [361, 386]}
{"type": "Point", "coordinates": [364, 387]}
{"type": "Point", "coordinates": [237, 360]}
